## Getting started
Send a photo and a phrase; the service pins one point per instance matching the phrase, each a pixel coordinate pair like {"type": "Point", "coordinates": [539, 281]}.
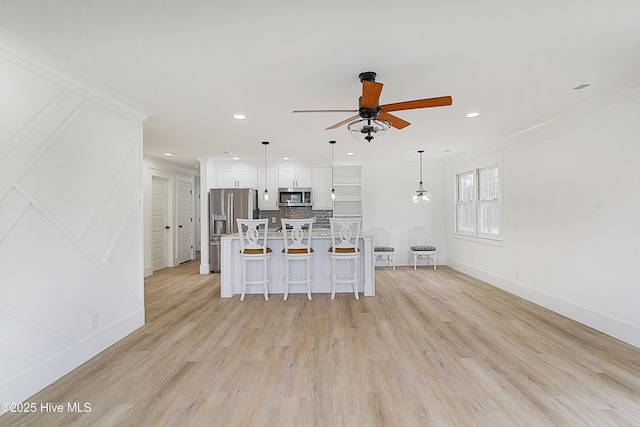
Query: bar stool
{"type": "Point", "coordinates": [297, 247]}
{"type": "Point", "coordinates": [344, 247]}
{"type": "Point", "coordinates": [253, 248]}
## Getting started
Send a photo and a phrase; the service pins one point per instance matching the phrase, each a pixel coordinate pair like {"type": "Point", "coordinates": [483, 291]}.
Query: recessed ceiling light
{"type": "Point", "coordinates": [239, 116]}
{"type": "Point", "coordinates": [168, 154]}
{"type": "Point", "coordinates": [351, 153]}
{"type": "Point", "coordinates": [286, 158]}
{"type": "Point", "coordinates": [472, 115]}
{"type": "Point", "coordinates": [235, 158]}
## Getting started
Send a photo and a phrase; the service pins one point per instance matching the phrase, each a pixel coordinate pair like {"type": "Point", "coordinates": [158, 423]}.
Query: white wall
{"type": "Point", "coordinates": [70, 219]}
{"type": "Point", "coordinates": [387, 193]}
{"type": "Point", "coordinates": [571, 198]}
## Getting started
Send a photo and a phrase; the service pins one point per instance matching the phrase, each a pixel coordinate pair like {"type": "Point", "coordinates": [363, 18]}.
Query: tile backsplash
{"type": "Point", "coordinates": [322, 216]}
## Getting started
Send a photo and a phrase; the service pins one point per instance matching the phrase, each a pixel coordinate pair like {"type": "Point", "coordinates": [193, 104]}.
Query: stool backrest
{"type": "Point", "coordinates": [253, 238]}
{"type": "Point", "coordinates": [297, 235]}
{"type": "Point", "coordinates": [345, 233]}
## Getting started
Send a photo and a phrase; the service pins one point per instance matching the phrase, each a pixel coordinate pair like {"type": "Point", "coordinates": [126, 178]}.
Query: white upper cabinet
{"type": "Point", "coordinates": [236, 178]}
{"type": "Point", "coordinates": [295, 177]}
{"type": "Point", "coordinates": [270, 184]}
{"type": "Point", "coordinates": [322, 189]}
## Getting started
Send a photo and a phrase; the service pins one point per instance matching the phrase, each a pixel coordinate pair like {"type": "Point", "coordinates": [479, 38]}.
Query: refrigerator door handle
{"type": "Point", "coordinates": [231, 221]}
{"type": "Point", "coordinates": [228, 226]}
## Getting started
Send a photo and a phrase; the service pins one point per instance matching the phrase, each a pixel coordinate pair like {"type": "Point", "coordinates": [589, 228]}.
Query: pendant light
{"type": "Point", "coordinates": [265, 195]}
{"type": "Point", "coordinates": [422, 195]}
{"type": "Point", "coordinates": [333, 190]}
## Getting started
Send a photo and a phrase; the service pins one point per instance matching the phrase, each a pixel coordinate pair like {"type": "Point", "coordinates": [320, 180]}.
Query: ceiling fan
{"type": "Point", "coordinates": [372, 117]}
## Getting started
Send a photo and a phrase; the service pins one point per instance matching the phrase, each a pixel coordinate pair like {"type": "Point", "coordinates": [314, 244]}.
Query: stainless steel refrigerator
{"type": "Point", "coordinates": [225, 206]}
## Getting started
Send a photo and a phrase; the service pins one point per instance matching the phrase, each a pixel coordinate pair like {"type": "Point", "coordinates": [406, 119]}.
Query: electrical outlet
{"type": "Point", "coordinates": [517, 274]}
{"type": "Point", "coordinates": [473, 261]}
{"type": "Point", "coordinates": [273, 220]}
{"type": "Point", "coordinates": [93, 321]}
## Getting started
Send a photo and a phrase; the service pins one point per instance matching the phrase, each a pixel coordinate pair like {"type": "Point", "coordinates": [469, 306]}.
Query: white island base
{"type": "Point", "coordinates": [231, 267]}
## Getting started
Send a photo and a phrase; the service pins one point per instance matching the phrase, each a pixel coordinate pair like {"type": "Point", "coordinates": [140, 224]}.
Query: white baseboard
{"type": "Point", "coordinates": [21, 387]}
{"type": "Point", "coordinates": [205, 268]}
{"type": "Point", "coordinates": [598, 321]}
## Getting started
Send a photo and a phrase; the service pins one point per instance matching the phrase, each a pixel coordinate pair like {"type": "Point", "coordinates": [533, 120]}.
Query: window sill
{"type": "Point", "coordinates": [478, 239]}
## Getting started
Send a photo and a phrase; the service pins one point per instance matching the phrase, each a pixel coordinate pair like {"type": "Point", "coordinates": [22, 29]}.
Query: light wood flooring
{"type": "Point", "coordinates": [433, 348]}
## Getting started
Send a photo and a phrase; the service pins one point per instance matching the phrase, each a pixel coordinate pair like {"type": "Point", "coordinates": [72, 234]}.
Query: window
{"type": "Point", "coordinates": [478, 203]}
{"type": "Point", "coordinates": [466, 211]}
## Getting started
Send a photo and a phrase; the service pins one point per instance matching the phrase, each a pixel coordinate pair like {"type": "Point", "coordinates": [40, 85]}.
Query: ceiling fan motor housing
{"type": "Point", "coordinates": [368, 113]}
{"type": "Point", "coordinates": [369, 76]}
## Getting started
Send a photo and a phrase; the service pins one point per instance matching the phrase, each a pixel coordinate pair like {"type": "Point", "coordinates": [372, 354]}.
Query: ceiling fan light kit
{"type": "Point", "coordinates": [373, 118]}
{"type": "Point", "coordinates": [364, 128]}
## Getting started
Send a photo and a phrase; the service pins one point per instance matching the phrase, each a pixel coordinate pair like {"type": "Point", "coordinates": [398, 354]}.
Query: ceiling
{"type": "Point", "coordinates": [196, 63]}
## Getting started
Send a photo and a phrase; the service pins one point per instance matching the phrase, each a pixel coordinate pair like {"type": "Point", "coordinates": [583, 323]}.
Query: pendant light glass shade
{"type": "Point", "coordinates": [265, 195]}
{"type": "Point", "coordinates": [422, 195]}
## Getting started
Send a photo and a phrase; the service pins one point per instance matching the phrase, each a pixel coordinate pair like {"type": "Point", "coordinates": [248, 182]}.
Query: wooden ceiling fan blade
{"type": "Point", "coordinates": [371, 94]}
{"type": "Point", "coordinates": [442, 101]}
{"type": "Point", "coordinates": [396, 122]}
{"type": "Point", "coordinates": [344, 122]}
{"type": "Point", "coordinates": [324, 111]}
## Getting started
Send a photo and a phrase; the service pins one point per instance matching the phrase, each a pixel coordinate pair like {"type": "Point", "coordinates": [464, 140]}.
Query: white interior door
{"type": "Point", "coordinates": [185, 221]}
{"type": "Point", "coordinates": [159, 223]}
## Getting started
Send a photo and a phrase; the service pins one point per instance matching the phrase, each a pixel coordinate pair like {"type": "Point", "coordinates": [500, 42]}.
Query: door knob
{"type": "Point", "coordinates": [167, 227]}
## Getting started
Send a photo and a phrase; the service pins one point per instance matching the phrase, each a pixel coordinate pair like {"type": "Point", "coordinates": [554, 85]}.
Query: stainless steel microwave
{"type": "Point", "coordinates": [294, 197]}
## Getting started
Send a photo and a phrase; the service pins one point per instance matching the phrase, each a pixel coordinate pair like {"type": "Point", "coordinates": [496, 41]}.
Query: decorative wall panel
{"type": "Point", "coordinates": [71, 245]}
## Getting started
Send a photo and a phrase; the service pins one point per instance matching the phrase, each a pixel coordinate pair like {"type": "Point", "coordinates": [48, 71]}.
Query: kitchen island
{"type": "Point", "coordinates": [231, 267]}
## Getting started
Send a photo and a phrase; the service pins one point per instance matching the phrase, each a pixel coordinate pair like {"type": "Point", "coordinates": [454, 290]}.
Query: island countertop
{"type": "Point", "coordinates": [231, 266]}
{"type": "Point", "coordinates": [272, 235]}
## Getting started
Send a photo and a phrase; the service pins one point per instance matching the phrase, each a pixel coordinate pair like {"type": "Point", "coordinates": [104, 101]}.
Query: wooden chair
{"type": "Point", "coordinates": [344, 247]}
{"type": "Point", "coordinates": [381, 248]}
{"type": "Point", "coordinates": [297, 247]}
{"type": "Point", "coordinates": [253, 248]}
{"type": "Point", "coordinates": [420, 248]}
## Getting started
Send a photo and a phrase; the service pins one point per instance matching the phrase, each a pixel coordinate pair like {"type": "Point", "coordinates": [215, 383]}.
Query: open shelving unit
{"type": "Point", "coordinates": [347, 181]}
